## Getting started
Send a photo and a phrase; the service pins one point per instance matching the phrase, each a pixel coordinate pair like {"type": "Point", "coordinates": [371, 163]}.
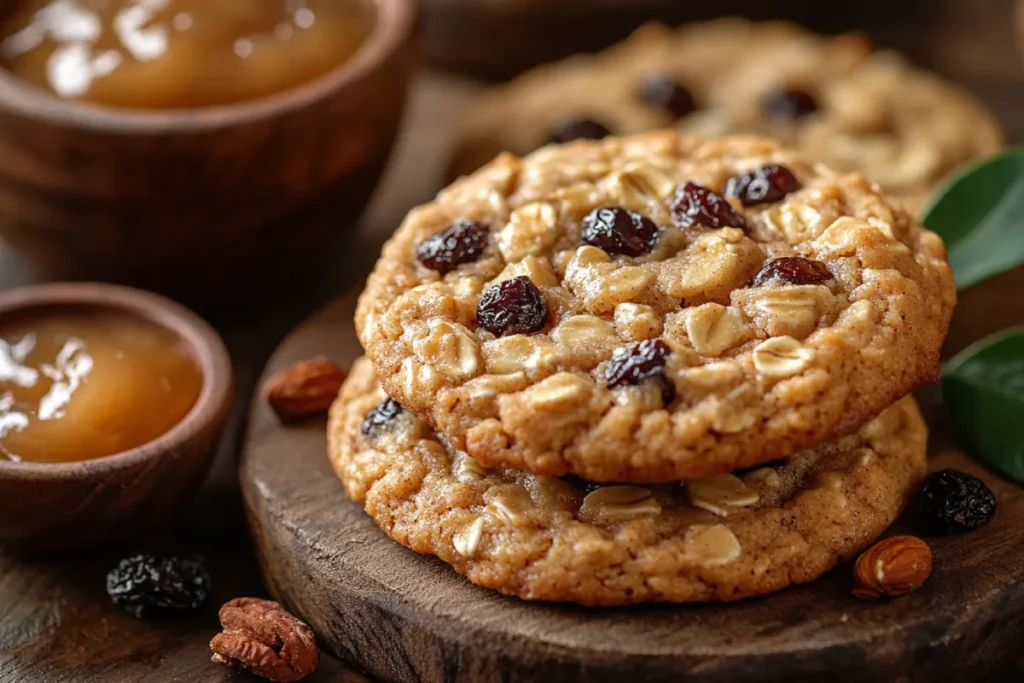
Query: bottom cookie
{"type": "Point", "coordinates": [721, 538]}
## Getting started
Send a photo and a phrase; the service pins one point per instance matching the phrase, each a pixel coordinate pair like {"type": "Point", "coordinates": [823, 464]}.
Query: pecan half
{"type": "Point", "coordinates": [304, 389]}
{"type": "Point", "coordinates": [263, 638]}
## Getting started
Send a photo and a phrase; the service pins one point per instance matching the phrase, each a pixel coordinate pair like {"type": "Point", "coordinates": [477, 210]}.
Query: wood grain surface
{"type": "Point", "coordinates": [56, 624]}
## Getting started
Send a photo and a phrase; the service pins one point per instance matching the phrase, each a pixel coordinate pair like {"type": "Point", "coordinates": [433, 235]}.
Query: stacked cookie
{"type": "Point", "coordinates": [653, 368]}
{"type": "Point", "coordinates": [832, 98]}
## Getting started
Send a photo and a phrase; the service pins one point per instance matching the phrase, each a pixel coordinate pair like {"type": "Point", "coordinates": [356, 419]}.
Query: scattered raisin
{"type": "Point", "coordinates": [788, 105]}
{"type": "Point", "coordinates": [793, 270]}
{"type": "Point", "coordinates": [762, 185]}
{"type": "Point", "coordinates": [150, 587]}
{"type": "Point", "coordinates": [579, 129]}
{"type": "Point", "coordinates": [620, 231]}
{"type": "Point", "coordinates": [385, 412]}
{"type": "Point", "coordinates": [461, 242]}
{"type": "Point", "coordinates": [695, 205]}
{"type": "Point", "coordinates": [514, 306]}
{"type": "Point", "coordinates": [639, 363]}
{"type": "Point", "coordinates": [952, 502]}
{"type": "Point", "coordinates": [666, 93]}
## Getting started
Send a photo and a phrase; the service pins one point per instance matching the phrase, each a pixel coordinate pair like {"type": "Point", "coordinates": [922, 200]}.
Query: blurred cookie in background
{"type": "Point", "coordinates": [833, 98]}
{"type": "Point", "coordinates": [497, 39]}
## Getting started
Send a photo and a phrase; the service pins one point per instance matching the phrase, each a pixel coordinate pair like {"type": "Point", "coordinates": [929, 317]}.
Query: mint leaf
{"type": "Point", "coordinates": [983, 389]}
{"type": "Point", "coordinates": [980, 215]}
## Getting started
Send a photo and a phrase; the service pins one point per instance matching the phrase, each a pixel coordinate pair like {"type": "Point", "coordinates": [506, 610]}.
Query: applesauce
{"type": "Point", "coordinates": [83, 385]}
{"type": "Point", "coordinates": [178, 53]}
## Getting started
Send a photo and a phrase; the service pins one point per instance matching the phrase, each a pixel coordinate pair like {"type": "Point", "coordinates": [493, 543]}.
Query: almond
{"type": "Point", "coordinates": [304, 389]}
{"type": "Point", "coordinates": [893, 567]}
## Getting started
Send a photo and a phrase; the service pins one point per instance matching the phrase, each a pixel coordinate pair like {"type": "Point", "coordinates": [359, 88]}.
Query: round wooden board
{"type": "Point", "coordinates": [408, 617]}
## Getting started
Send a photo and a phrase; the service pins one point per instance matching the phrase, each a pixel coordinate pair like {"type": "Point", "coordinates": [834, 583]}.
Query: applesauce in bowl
{"type": "Point", "coordinates": [80, 385]}
{"type": "Point", "coordinates": [164, 54]}
{"type": "Point", "coordinates": [112, 402]}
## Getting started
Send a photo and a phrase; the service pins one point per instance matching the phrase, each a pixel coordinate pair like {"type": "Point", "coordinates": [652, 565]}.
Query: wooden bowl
{"type": "Point", "coordinates": [225, 202]}
{"type": "Point", "coordinates": [63, 505]}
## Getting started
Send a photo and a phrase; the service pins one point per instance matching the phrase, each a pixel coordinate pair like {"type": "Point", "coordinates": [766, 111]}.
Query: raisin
{"type": "Point", "coordinates": [640, 363]}
{"type": "Point", "coordinates": [762, 185]}
{"type": "Point", "coordinates": [695, 205]}
{"type": "Point", "coordinates": [149, 587]}
{"type": "Point", "coordinates": [666, 93]}
{"type": "Point", "coordinates": [385, 412]}
{"type": "Point", "coordinates": [788, 105]}
{"type": "Point", "coordinates": [579, 129]}
{"type": "Point", "coordinates": [793, 270]}
{"type": "Point", "coordinates": [620, 231]}
{"type": "Point", "coordinates": [514, 306]}
{"type": "Point", "coordinates": [461, 242]}
{"type": "Point", "coordinates": [952, 502]}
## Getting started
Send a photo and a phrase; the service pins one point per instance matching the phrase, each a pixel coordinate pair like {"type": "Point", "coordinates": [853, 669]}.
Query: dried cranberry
{"type": "Point", "coordinates": [461, 242]}
{"type": "Point", "coordinates": [793, 270]}
{"type": "Point", "coordinates": [514, 306]}
{"type": "Point", "coordinates": [952, 502]}
{"type": "Point", "coordinates": [151, 587]}
{"type": "Point", "coordinates": [579, 129]}
{"type": "Point", "coordinates": [762, 185]}
{"type": "Point", "coordinates": [697, 205]}
{"type": "Point", "coordinates": [786, 106]}
{"type": "Point", "coordinates": [381, 416]}
{"type": "Point", "coordinates": [665, 92]}
{"type": "Point", "coordinates": [639, 363]}
{"type": "Point", "coordinates": [619, 231]}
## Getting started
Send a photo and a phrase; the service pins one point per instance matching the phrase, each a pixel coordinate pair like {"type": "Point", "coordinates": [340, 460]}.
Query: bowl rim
{"type": "Point", "coordinates": [205, 346]}
{"type": "Point", "coordinates": [393, 25]}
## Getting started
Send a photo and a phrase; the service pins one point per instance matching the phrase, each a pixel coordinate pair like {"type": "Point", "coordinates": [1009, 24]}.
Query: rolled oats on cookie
{"type": "Point", "coordinates": [719, 538]}
{"type": "Point", "coordinates": [654, 308]}
{"type": "Point", "coordinates": [832, 98]}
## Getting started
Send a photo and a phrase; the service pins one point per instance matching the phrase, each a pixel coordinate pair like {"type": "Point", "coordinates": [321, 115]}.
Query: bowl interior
{"type": "Point", "coordinates": [199, 340]}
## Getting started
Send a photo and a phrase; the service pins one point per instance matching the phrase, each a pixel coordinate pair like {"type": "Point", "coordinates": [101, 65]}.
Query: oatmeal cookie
{"type": "Point", "coordinates": [654, 308]}
{"type": "Point", "coordinates": [832, 98]}
{"type": "Point", "coordinates": [721, 538]}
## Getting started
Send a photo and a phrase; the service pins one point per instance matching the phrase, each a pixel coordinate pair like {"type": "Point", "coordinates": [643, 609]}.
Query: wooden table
{"type": "Point", "coordinates": [56, 624]}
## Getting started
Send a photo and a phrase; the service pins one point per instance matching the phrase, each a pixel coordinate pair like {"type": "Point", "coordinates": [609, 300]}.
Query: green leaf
{"type": "Point", "coordinates": [980, 215]}
{"type": "Point", "coordinates": [983, 389]}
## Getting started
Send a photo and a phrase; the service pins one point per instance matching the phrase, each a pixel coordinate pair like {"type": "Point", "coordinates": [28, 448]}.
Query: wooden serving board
{"type": "Point", "coordinates": [408, 617]}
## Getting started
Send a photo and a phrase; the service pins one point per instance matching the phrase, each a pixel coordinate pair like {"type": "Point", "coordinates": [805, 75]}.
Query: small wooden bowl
{"type": "Point", "coordinates": [63, 505]}
{"type": "Point", "coordinates": [225, 202]}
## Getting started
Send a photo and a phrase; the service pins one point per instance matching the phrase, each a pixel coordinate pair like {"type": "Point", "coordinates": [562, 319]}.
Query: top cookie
{"type": "Point", "coordinates": [602, 309]}
{"type": "Point", "coordinates": [831, 98]}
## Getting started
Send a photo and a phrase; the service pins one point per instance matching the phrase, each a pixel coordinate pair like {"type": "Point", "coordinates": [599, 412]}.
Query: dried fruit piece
{"type": "Point", "coordinates": [304, 389]}
{"type": "Point", "coordinates": [768, 183]}
{"type": "Point", "coordinates": [261, 637]}
{"type": "Point", "coordinates": [666, 93]}
{"type": "Point", "coordinates": [893, 567]}
{"type": "Point", "coordinates": [793, 270]}
{"type": "Point", "coordinates": [381, 416]}
{"type": "Point", "coordinates": [788, 105]}
{"type": "Point", "coordinates": [695, 205]}
{"type": "Point", "coordinates": [514, 306]}
{"type": "Point", "coordinates": [150, 587]}
{"type": "Point", "coordinates": [579, 129]}
{"type": "Point", "coordinates": [619, 231]}
{"type": "Point", "coordinates": [461, 242]}
{"type": "Point", "coordinates": [952, 502]}
{"type": "Point", "coordinates": [639, 363]}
